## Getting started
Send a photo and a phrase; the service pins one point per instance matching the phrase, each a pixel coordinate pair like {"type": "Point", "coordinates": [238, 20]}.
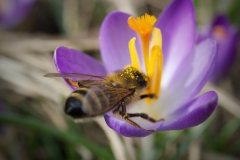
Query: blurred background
{"type": "Point", "coordinates": [32, 123]}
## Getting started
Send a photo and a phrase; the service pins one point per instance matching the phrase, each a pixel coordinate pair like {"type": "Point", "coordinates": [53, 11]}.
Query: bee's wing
{"type": "Point", "coordinates": [109, 97]}
{"type": "Point", "coordinates": [83, 80]}
{"type": "Point", "coordinates": [78, 76]}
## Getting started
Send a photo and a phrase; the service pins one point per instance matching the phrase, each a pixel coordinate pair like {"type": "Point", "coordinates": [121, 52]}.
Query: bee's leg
{"type": "Point", "coordinates": [144, 116]}
{"type": "Point", "coordinates": [125, 116]}
{"type": "Point", "coordinates": [116, 109]}
{"type": "Point", "coordinates": [147, 96]}
{"type": "Point", "coordinates": [121, 103]}
{"type": "Point", "coordinates": [72, 83]}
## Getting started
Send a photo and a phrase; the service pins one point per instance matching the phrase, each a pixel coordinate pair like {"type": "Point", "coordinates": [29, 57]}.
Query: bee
{"type": "Point", "coordinates": [96, 95]}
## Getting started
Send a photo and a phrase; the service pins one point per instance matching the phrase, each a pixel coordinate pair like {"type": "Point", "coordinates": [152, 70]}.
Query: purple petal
{"type": "Point", "coordinates": [13, 12]}
{"type": "Point", "coordinates": [190, 76]}
{"type": "Point", "coordinates": [209, 48]}
{"type": "Point", "coordinates": [177, 23]}
{"type": "Point", "coordinates": [124, 128]}
{"type": "Point", "coordinates": [222, 21]}
{"type": "Point", "coordinates": [114, 37]}
{"type": "Point", "coordinates": [72, 61]}
{"type": "Point", "coordinates": [193, 113]}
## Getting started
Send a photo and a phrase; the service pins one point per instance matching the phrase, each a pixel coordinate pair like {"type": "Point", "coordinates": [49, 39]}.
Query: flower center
{"type": "Point", "coordinates": [151, 39]}
{"type": "Point", "coordinates": [219, 32]}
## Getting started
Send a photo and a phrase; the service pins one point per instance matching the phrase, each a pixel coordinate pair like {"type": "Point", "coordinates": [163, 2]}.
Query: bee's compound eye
{"type": "Point", "coordinates": [73, 108]}
{"type": "Point", "coordinates": [142, 82]}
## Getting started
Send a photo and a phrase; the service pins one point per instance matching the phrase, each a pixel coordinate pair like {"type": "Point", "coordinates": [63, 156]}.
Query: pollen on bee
{"type": "Point", "coordinates": [131, 72]}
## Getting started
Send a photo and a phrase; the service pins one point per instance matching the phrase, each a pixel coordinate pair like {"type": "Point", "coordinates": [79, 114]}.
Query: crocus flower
{"type": "Point", "coordinates": [13, 12]}
{"type": "Point", "coordinates": [226, 36]}
{"type": "Point", "coordinates": [164, 49]}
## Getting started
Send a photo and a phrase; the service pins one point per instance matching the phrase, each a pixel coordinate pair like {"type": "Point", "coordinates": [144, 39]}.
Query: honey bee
{"type": "Point", "coordinates": [96, 95]}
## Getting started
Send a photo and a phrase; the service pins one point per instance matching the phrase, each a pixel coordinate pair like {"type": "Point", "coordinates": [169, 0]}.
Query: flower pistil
{"type": "Point", "coordinates": [151, 39]}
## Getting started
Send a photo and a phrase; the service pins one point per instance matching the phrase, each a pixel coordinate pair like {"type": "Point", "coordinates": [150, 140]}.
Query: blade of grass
{"type": "Point", "coordinates": [52, 148]}
{"type": "Point", "coordinates": [115, 142]}
{"type": "Point", "coordinates": [69, 137]}
{"type": "Point", "coordinates": [227, 131]}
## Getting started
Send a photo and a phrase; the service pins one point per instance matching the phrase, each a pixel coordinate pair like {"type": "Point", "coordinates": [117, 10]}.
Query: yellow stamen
{"type": "Point", "coordinates": [157, 37]}
{"type": "Point", "coordinates": [133, 53]}
{"type": "Point", "coordinates": [155, 70]}
{"type": "Point", "coordinates": [143, 26]}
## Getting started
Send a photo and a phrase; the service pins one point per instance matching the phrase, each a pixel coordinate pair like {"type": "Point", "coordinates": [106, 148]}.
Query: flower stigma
{"type": "Point", "coordinates": [151, 39]}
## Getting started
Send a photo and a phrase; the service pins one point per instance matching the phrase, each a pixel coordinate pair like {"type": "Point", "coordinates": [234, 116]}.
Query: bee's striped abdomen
{"type": "Point", "coordinates": [86, 103]}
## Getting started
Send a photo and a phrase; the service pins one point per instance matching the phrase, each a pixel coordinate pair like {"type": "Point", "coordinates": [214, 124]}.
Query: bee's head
{"type": "Point", "coordinates": [136, 77]}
